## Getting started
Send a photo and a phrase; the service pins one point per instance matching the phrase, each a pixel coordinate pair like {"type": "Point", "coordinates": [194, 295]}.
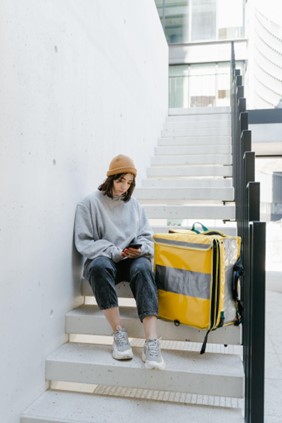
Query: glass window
{"type": "Point", "coordinates": [223, 84]}
{"type": "Point", "coordinates": [201, 85]}
{"type": "Point", "coordinates": [203, 20]}
{"type": "Point", "coordinates": [178, 86]}
{"type": "Point", "coordinates": [230, 19]}
{"type": "Point", "coordinates": [186, 21]}
{"type": "Point", "coordinates": [176, 23]}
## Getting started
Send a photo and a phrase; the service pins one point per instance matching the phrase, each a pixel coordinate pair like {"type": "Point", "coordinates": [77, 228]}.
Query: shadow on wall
{"type": "Point", "coordinates": [77, 264]}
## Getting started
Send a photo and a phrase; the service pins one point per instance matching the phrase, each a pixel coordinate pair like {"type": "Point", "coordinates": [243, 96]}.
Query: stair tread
{"type": "Point", "coordinates": [194, 211]}
{"type": "Point", "coordinates": [192, 122]}
{"type": "Point", "coordinates": [207, 374]}
{"type": "Point", "coordinates": [192, 170]}
{"type": "Point", "coordinates": [191, 159]}
{"type": "Point", "coordinates": [89, 320]}
{"type": "Point", "coordinates": [187, 182]}
{"type": "Point", "coordinates": [186, 362]}
{"type": "Point", "coordinates": [182, 194]}
{"type": "Point", "coordinates": [175, 111]}
{"type": "Point", "coordinates": [70, 407]}
{"type": "Point", "coordinates": [226, 229]}
{"type": "Point", "coordinates": [193, 149]}
{"type": "Point", "coordinates": [194, 140]}
{"type": "Point", "coordinates": [181, 190]}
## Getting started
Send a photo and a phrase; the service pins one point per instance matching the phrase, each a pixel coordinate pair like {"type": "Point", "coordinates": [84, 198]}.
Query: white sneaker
{"type": "Point", "coordinates": [121, 346]}
{"type": "Point", "coordinates": [152, 356]}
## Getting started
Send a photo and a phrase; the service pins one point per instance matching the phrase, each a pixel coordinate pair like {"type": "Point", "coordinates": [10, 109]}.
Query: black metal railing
{"type": "Point", "coordinates": [252, 232]}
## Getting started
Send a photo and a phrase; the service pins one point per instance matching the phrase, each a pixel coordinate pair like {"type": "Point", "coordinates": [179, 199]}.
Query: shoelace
{"type": "Point", "coordinates": [153, 348]}
{"type": "Point", "coordinates": [120, 337]}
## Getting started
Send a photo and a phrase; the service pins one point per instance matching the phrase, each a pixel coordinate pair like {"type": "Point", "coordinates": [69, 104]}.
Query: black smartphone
{"type": "Point", "coordinates": [134, 246]}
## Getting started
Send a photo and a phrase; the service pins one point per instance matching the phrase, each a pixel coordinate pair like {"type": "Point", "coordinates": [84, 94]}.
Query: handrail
{"type": "Point", "coordinates": [252, 232]}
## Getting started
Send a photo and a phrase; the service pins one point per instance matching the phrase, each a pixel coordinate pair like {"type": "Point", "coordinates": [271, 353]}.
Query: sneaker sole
{"type": "Point", "coordinates": [125, 355]}
{"type": "Point", "coordinates": [153, 364]}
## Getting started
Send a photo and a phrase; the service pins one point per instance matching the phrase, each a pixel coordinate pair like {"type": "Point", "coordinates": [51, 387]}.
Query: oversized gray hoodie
{"type": "Point", "coordinates": [105, 226]}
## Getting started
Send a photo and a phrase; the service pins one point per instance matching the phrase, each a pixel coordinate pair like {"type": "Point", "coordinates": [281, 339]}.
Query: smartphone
{"type": "Point", "coordinates": [134, 246]}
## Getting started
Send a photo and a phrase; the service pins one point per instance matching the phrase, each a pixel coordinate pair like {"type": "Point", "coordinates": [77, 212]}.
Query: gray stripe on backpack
{"type": "Point", "coordinates": [183, 282]}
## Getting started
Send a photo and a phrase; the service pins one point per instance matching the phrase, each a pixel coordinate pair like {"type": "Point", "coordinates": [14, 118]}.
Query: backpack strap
{"type": "Point", "coordinates": [203, 349]}
{"type": "Point", "coordinates": [238, 272]}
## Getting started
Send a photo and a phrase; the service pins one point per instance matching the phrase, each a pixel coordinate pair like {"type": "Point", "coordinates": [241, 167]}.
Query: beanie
{"type": "Point", "coordinates": [121, 164]}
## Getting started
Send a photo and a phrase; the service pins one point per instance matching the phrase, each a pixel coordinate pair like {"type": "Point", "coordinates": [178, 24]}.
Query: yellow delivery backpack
{"type": "Point", "coordinates": [197, 276]}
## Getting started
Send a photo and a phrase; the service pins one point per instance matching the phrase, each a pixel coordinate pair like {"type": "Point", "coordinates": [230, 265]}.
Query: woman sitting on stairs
{"type": "Point", "coordinates": [106, 223]}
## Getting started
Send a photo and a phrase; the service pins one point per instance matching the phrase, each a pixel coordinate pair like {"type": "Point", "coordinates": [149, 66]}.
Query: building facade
{"type": "Point", "coordinates": [199, 33]}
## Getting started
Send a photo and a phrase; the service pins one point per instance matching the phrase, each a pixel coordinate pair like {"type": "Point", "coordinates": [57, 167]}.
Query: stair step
{"type": "Point", "coordinates": [207, 374]}
{"type": "Point", "coordinates": [184, 171]}
{"type": "Point", "coordinates": [183, 194]}
{"type": "Point", "coordinates": [196, 131]}
{"type": "Point", "coordinates": [70, 407]}
{"type": "Point", "coordinates": [195, 140]}
{"type": "Point", "coordinates": [193, 149]}
{"type": "Point", "coordinates": [226, 229]}
{"type": "Point", "coordinates": [199, 111]}
{"type": "Point", "coordinates": [190, 123]}
{"type": "Point", "coordinates": [190, 211]}
{"type": "Point", "coordinates": [187, 182]}
{"type": "Point", "coordinates": [89, 320]}
{"type": "Point", "coordinates": [218, 118]}
{"type": "Point", "coordinates": [191, 159]}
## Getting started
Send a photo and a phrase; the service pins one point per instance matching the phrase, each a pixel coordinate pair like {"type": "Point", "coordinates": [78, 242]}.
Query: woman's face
{"type": "Point", "coordinates": [122, 184]}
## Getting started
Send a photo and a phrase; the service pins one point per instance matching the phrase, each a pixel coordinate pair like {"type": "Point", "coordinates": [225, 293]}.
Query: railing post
{"type": "Point", "coordinates": [254, 410]}
{"type": "Point", "coordinates": [253, 302]}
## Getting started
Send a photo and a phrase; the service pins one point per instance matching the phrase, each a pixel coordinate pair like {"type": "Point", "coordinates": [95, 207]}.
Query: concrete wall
{"type": "Point", "coordinates": [80, 81]}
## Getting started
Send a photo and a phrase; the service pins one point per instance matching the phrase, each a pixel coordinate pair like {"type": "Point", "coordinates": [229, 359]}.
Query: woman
{"type": "Point", "coordinates": [106, 223]}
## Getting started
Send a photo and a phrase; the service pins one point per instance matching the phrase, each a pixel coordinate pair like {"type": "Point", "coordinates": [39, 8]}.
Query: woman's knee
{"type": "Point", "coordinates": [141, 265]}
{"type": "Point", "coordinates": [102, 280]}
{"type": "Point", "coordinates": [100, 267]}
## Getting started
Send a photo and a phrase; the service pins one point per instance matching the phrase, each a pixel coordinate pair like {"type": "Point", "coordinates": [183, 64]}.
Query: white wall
{"type": "Point", "coordinates": [80, 81]}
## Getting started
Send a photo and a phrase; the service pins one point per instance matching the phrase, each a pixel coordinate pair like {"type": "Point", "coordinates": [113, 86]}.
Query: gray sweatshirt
{"type": "Point", "coordinates": [105, 226]}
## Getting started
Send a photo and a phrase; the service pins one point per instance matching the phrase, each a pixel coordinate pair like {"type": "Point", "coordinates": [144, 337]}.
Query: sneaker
{"type": "Point", "coordinates": [152, 356]}
{"type": "Point", "coordinates": [121, 346]}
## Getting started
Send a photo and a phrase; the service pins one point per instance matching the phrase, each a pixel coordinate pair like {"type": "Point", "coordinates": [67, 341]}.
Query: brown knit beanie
{"type": "Point", "coordinates": [121, 164]}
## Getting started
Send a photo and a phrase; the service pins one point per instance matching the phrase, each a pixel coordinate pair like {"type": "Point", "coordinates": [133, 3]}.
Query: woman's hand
{"type": "Point", "coordinates": [131, 252]}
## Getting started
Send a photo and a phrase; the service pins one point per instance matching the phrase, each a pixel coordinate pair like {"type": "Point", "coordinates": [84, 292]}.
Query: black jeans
{"type": "Point", "coordinates": [103, 274]}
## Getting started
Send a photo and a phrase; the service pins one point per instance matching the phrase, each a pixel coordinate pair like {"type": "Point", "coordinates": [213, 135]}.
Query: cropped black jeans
{"type": "Point", "coordinates": [103, 274]}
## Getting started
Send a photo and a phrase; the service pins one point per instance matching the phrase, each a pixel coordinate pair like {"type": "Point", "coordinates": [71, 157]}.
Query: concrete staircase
{"type": "Point", "coordinates": [189, 178]}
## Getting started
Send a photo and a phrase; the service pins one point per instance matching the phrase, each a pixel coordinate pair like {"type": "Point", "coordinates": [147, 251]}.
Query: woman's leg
{"type": "Point", "coordinates": [113, 317]}
{"type": "Point", "coordinates": [150, 327]}
{"type": "Point", "coordinates": [102, 276]}
{"type": "Point", "coordinates": [144, 289]}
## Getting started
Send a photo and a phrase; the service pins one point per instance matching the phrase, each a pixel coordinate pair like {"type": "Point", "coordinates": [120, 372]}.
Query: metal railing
{"type": "Point", "coordinates": [252, 232]}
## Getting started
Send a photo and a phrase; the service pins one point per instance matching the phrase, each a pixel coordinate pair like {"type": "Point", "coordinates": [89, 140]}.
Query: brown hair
{"type": "Point", "coordinates": [107, 186]}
